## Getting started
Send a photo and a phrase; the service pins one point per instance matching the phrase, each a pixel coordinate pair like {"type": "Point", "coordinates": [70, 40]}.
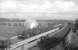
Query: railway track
{"type": "Point", "coordinates": [27, 43]}
{"type": "Point", "coordinates": [30, 39]}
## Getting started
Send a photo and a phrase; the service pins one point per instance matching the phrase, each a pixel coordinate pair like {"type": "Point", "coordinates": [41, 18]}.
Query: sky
{"type": "Point", "coordinates": [39, 9]}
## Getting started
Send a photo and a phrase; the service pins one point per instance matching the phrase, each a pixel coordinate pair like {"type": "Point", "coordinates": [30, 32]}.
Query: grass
{"type": "Point", "coordinates": [8, 32]}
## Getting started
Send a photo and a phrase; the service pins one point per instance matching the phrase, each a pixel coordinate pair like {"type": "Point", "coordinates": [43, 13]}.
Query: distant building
{"type": "Point", "coordinates": [11, 23]}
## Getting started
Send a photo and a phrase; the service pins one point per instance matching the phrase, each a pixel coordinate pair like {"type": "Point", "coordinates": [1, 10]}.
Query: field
{"type": "Point", "coordinates": [8, 31]}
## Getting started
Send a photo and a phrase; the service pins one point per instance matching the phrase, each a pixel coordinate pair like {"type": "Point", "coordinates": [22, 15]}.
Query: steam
{"type": "Point", "coordinates": [30, 24]}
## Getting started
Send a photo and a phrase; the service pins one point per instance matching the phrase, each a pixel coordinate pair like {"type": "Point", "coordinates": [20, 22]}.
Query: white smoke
{"type": "Point", "coordinates": [31, 23]}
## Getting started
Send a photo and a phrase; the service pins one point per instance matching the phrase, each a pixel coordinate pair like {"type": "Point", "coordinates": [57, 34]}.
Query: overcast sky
{"type": "Point", "coordinates": [38, 8]}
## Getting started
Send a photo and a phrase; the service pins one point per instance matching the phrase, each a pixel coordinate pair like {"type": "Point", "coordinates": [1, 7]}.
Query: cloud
{"type": "Point", "coordinates": [37, 9]}
{"type": "Point", "coordinates": [65, 6]}
{"type": "Point", "coordinates": [45, 7]}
